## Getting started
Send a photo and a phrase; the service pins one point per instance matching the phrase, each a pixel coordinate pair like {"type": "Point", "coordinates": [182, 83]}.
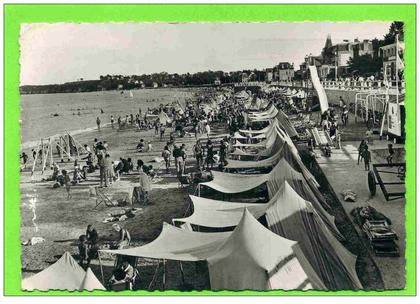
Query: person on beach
{"type": "Point", "coordinates": [223, 151]}
{"type": "Point", "coordinates": [210, 154]}
{"type": "Point", "coordinates": [361, 148]}
{"type": "Point", "coordinates": [119, 122]}
{"type": "Point", "coordinates": [67, 182]}
{"type": "Point", "coordinates": [144, 186]}
{"type": "Point", "coordinates": [345, 115]}
{"type": "Point", "coordinates": [98, 123]}
{"type": "Point", "coordinates": [24, 158]}
{"type": "Point", "coordinates": [109, 169]}
{"type": "Point", "coordinates": [176, 153]}
{"type": "Point", "coordinates": [124, 237]}
{"type": "Point", "coordinates": [118, 166]}
{"type": "Point", "coordinates": [87, 149]}
{"type": "Point", "coordinates": [198, 154]}
{"type": "Point", "coordinates": [83, 247]}
{"type": "Point", "coordinates": [156, 124]}
{"type": "Point", "coordinates": [102, 171]}
{"type": "Point", "coordinates": [161, 131]}
{"type": "Point", "coordinates": [208, 130]}
{"type": "Point", "coordinates": [95, 143]}
{"type": "Point", "coordinates": [125, 273]}
{"type": "Point", "coordinates": [166, 154]}
{"type": "Point", "coordinates": [77, 173]}
{"type": "Point", "coordinates": [149, 146]}
{"type": "Point", "coordinates": [112, 121]}
{"type": "Point", "coordinates": [367, 158]}
{"type": "Point", "coordinates": [128, 165]}
{"type": "Point", "coordinates": [91, 235]}
{"type": "Point", "coordinates": [341, 102]}
{"type": "Point", "coordinates": [183, 159]}
{"type": "Point", "coordinates": [140, 145]}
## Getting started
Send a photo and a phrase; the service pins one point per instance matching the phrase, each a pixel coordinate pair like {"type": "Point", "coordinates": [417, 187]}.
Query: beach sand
{"type": "Point", "coordinates": [46, 212]}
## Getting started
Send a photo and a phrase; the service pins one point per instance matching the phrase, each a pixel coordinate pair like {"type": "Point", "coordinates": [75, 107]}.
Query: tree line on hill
{"type": "Point", "coordinates": [163, 79]}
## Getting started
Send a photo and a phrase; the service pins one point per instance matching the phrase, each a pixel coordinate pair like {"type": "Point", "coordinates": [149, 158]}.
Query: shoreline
{"type": "Point", "coordinates": [34, 143]}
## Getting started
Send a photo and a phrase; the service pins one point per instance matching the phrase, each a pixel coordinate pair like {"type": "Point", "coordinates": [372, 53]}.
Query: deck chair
{"type": "Point", "coordinates": [102, 198]}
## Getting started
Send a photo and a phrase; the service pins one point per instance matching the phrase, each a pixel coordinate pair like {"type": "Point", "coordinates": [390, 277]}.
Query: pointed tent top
{"type": "Point", "coordinates": [65, 274]}
{"type": "Point", "coordinates": [91, 282]}
{"type": "Point", "coordinates": [253, 257]}
{"type": "Point", "coordinates": [251, 238]}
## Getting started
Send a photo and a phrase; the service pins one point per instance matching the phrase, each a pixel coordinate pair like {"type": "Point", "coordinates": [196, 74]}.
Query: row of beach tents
{"type": "Point", "coordinates": [298, 248]}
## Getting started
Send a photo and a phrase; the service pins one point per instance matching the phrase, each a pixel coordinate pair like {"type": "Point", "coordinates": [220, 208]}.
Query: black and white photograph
{"type": "Point", "coordinates": [212, 156]}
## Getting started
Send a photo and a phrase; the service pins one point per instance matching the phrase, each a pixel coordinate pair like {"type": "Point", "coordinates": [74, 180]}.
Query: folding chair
{"type": "Point", "coordinates": [102, 198]}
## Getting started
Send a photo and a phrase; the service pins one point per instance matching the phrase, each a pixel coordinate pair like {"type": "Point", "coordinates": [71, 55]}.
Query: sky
{"type": "Point", "coordinates": [62, 52]}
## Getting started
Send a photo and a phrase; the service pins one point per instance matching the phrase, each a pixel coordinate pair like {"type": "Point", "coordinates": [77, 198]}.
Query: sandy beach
{"type": "Point", "coordinates": [46, 212]}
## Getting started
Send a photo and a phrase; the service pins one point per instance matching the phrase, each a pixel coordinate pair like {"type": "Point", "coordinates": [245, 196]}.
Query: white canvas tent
{"type": "Point", "coordinates": [65, 274]}
{"type": "Point", "coordinates": [253, 257]}
{"type": "Point", "coordinates": [283, 152]}
{"type": "Point", "coordinates": [164, 118]}
{"type": "Point", "coordinates": [292, 217]}
{"type": "Point", "coordinates": [91, 282]}
{"type": "Point", "coordinates": [250, 257]}
{"type": "Point", "coordinates": [236, 183]}
{"type": "Point", "coordinates": [272, 144]}
{"type": "Point", "coordinates": [264, 117]}
{"type": "Point", "coordinates": [285, 123]}
{"type": "Point", "coordinates": [265, 130]}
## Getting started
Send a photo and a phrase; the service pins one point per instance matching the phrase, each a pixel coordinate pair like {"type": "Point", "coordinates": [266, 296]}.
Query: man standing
{"type": "Point", "coordinates": [144, 186]}
{"type": "Point", "coordinates": [102, 170]}
{"type": "Point", "coordinates": [367, 158]}
{"type": "Point", "coordinates": [176, 153]}
{"type": "Point", "coordinates": [98, 123]}
{"type": "Point", "coordinates": [166, 154]}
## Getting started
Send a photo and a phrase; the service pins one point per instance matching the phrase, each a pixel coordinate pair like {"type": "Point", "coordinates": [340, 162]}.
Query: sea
{"type": "Point", "coordinates": [49, 115]}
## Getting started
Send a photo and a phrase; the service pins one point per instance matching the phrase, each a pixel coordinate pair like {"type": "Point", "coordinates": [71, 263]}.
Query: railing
{"type": "Point", "coordinates": [365, 85]}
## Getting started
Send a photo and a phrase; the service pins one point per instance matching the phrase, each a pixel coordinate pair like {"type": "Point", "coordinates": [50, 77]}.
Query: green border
{"type": "Point", "coordinates": [16, 14]}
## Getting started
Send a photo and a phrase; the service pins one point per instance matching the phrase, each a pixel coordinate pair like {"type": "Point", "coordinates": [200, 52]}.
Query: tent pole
{"type": "Point", "coordinates": [100, 264]}
{"type": "Point", "coordinates": [164, 274]}
{"type": "Point", "coordinates": [154, 276]}
{"type": "Point", "coordinates": [51, 153]}
{"type": "Point", "coordinates": [182, 272]}
{"type": "Point", "coordinates": [42, 153]}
